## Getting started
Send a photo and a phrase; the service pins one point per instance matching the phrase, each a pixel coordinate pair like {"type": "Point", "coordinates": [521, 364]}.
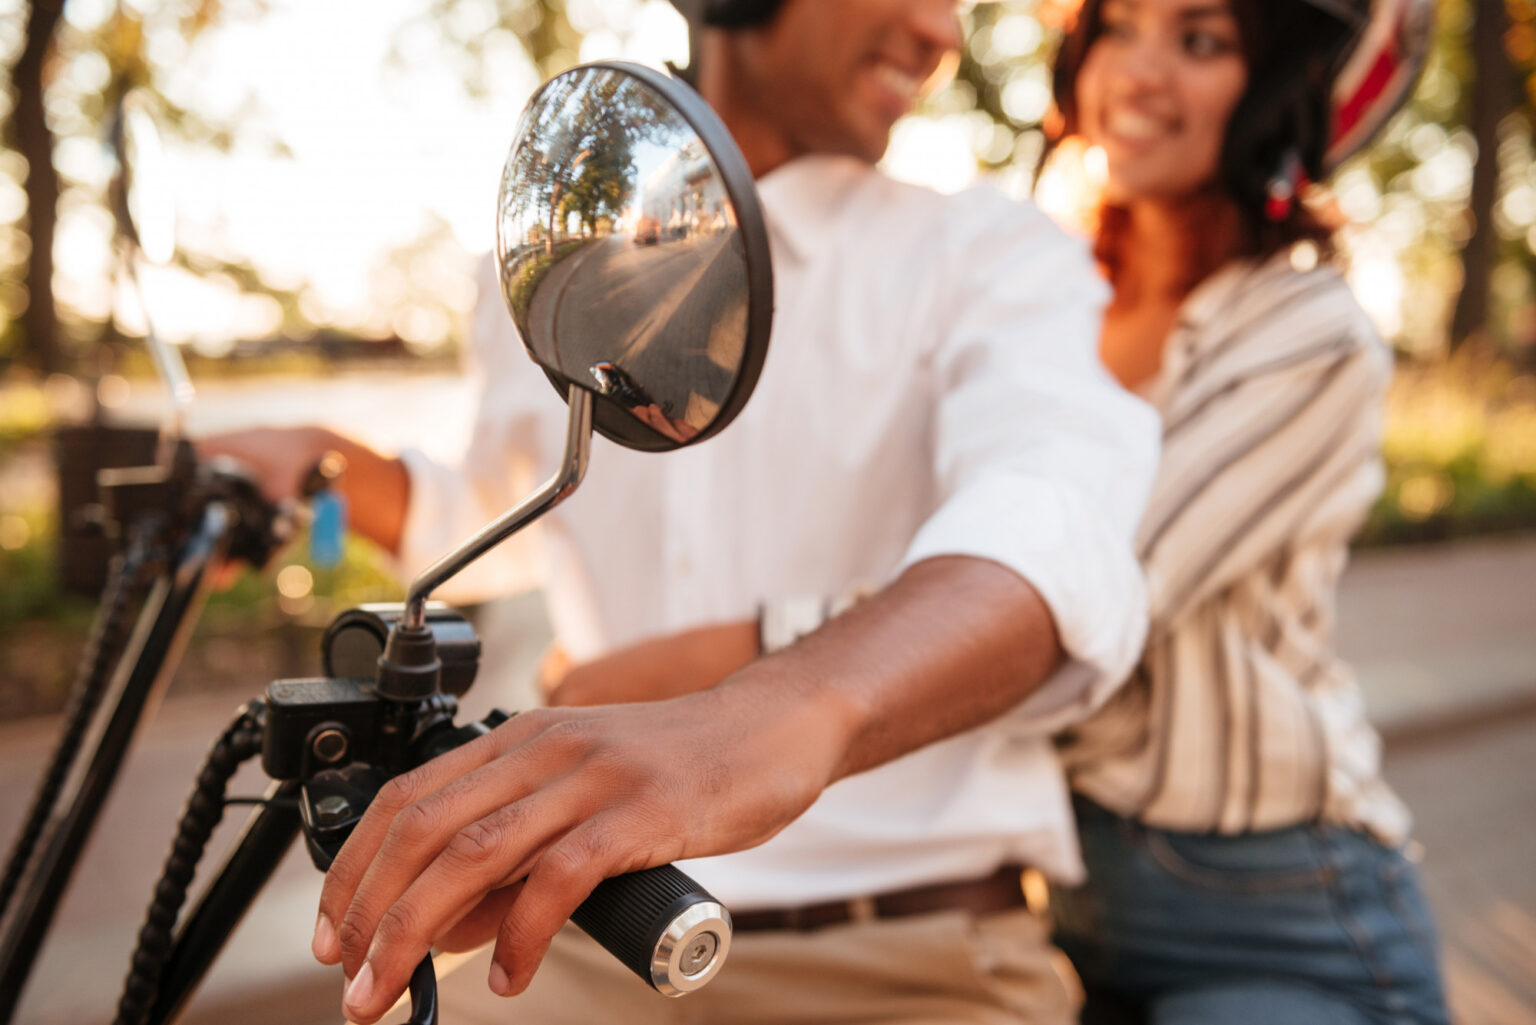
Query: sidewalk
{"type": "Point", "coordinates": [1441, 632]}
{"type": "Point", "coordinates": [1440, 636]}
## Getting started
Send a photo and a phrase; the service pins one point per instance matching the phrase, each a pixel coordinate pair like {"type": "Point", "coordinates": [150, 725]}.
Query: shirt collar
{"type": "Point", "coordinates": [1206, 317]}
{"type": "Point", "coordinates": [804, 199]}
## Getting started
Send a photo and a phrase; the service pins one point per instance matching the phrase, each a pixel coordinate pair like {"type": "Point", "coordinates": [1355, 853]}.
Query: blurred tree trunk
{"type": "Point", "coordinates": [548, 44]}
{"type": "Point", "coordinates": [1493, 96]}
{"type": "Point", "coordinates": [40, 323]}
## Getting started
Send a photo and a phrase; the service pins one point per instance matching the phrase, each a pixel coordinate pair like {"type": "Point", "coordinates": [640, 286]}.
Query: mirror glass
{"type": "Point", "coordinates": [632, 253]}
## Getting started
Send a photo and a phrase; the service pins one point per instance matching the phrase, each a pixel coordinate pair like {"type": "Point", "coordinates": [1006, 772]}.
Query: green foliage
{"type": "Point", "coordinates": [1460, 449]}
{"type": "Point", "coordinates": [532, 269]}
{"type": "Point", "coordinates": [30, 592]}
{"type": "Point", "coordinates": [24, 414]}
{"type": "Point", "coordinates": [472, 31]}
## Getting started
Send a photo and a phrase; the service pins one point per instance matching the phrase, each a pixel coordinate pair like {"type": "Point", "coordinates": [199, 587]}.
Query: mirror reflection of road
{"type": "Point", "coordinates": [651, 309]}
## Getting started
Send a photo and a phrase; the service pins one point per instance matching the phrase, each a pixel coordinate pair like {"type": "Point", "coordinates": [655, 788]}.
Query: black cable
{"type": "Point", "coordinates": [261, 802]}
{"type": "Point", "coordinates": [240, 742]}
{"type": "Point", "coordinates": [109, 635]}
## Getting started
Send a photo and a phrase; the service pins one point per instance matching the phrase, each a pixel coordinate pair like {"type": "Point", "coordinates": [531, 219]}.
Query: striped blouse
{"type": "Point", "coordinates": [1240, 715]}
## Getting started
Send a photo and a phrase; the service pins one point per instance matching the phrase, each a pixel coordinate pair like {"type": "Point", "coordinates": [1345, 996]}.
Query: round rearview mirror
{"type": "Point", "coordinates": [632, 253]}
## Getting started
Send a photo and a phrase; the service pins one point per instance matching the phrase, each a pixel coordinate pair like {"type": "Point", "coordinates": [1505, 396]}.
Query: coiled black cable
{"type": "Point", "coordinates": [108, 637]}
{"type": "Point", "coordinates": [240, 742]}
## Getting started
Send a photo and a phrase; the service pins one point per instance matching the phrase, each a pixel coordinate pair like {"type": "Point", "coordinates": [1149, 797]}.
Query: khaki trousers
{"type": "Point", "coordinates": [997, 969]}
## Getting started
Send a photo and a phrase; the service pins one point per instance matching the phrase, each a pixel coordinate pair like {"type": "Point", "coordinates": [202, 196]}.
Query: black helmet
{"type": "Point", "coordinates": [727, 13]}
{"type": "Point", "coordinates": [701, 14]}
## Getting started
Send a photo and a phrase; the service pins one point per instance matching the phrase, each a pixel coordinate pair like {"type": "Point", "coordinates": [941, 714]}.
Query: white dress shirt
{"type": "Point", "coordinates": [932, 387]}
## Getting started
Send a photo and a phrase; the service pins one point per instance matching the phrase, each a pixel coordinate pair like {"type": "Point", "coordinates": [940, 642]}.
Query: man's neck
{"type": "Point", "coordinates": [764, 144]}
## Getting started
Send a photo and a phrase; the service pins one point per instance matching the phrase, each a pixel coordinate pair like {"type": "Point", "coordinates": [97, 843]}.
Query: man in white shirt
{"type": "Point", "coordinates": [932, 416]}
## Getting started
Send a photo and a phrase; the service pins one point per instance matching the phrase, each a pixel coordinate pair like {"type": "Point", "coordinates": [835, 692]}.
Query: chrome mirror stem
{"type": "Point", "coordinates": [573, 466]}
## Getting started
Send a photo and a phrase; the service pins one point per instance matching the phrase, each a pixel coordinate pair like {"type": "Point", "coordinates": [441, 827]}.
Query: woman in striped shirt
{"type": "Point", "coordinates": [1244, 854]}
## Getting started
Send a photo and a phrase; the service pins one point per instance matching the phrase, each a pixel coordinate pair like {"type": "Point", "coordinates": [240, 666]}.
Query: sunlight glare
{"type": "Point", "coordinates": [933, 152]}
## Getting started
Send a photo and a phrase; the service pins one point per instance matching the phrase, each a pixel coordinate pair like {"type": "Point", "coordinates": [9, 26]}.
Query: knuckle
{"type": "Point", "coordinates": [476, 843]}
{"type": "Point", "coordinates": [568, 863]}
{"type": "Point", "coordinates": [399, 792]}
{"type": "Point", "coordinates": [415, 824]}
{"type": "Point", "coordinates": [515, 932]}
{"type": "Point", "coordinates": [340, 880]}
{"type": "Point", "coordinates": [399, 924]}
{"type": "Point", "coordinates": [354, 932]}
{"type": "Point", "coordinates": [533, 722]}
{"type": "Point", "coordinates": [570, 737]}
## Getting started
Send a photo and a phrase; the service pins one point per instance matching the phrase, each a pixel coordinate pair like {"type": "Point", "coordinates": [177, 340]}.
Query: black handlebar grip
{"type": "Point", "coordinates": [661, 925]}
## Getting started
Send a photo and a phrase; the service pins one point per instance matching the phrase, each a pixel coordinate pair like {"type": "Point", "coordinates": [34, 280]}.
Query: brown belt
{"type": "Point", "coordinates": [999, 891]}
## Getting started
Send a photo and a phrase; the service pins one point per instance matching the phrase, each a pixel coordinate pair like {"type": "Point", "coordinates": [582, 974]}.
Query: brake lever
{"type": "Point", "coordinates": [423, 990]}
{"type": "Point", "coordinates": [330, 805]}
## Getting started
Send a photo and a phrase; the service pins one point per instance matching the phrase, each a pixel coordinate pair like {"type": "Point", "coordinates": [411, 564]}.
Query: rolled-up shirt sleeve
{"type": "Point", "coordinates": [1043, 461]}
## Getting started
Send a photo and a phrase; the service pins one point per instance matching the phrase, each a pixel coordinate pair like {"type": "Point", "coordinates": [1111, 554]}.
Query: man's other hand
{"type": "Point", "coordinates": [376, 487]}
{"type": "Point", "coordinates": [654, 669]}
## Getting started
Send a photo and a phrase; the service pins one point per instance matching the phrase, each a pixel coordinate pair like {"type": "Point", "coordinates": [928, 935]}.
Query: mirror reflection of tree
{"type": "Point", "coordinates": [577, 172]}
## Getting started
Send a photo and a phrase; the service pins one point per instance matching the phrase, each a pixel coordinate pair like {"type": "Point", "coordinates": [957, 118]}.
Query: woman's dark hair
{"type": "Point", "coordinates": [1292, 50]}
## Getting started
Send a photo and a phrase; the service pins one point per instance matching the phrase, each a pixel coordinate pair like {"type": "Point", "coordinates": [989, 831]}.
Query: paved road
{"type": "Point", "coordinates": [1473, 793]}
{"type": "Point", "coordinates": [611, 301]}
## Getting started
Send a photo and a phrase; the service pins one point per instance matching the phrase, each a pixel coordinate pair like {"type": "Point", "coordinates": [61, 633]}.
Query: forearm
{"type": "Point", "coordinates": [376, 487]}
{"type": "Point", "coordinates": [952, 643]}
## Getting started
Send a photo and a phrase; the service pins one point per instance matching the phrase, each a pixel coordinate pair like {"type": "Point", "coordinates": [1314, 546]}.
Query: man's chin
{"type": "Point", "coordinates": [867, 145]}
{"type": "Point", "coordinates": [869, 148]}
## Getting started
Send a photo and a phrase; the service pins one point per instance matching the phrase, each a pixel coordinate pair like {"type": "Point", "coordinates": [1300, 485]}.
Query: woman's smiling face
{"type": "Point", "coordinates": [1156, 90]}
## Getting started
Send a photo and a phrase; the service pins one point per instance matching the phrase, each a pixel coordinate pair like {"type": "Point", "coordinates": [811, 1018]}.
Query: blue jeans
{"type": "Point", "coordinates": [1313, 925]}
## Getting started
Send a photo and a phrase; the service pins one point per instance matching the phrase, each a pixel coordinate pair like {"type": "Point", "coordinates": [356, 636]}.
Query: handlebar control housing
{"type": "Point", "coordinates": [355, 641]}
{"type": "Point", "coordinates": [343, 740]}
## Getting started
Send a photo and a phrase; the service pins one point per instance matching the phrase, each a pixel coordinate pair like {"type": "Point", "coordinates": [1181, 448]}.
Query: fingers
{"type": "Point", "coordinates": [566, 798]}
{"type": "Point", "coordinates": [362, 847]}
{"type": "Point", "coordinates": [399, 930]}
{"type": "Point", "coordinates": [436, 840]}
{"type": "Point", "coordinates": [564, 877]}
{"type": "Point", "coordinates": [275, 456]}
{"type": "Point", "coordinates": [479, 923]}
